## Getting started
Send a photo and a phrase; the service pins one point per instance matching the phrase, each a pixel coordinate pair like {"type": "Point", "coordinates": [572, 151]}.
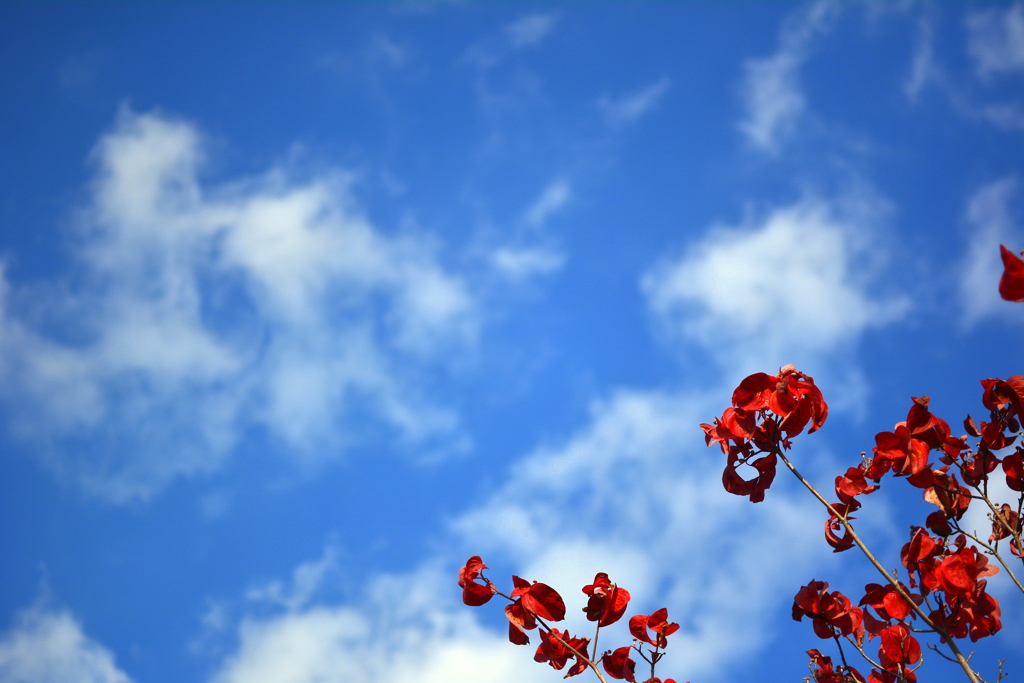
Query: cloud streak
{"type": "Point", "coordinates": [996, 40]}
{"type": "Point", "coordinates": [771, 91]}
{"type": "Point", "coordinates": [991, 221]}
{"type": "Point", "coordinates": [631, 106]}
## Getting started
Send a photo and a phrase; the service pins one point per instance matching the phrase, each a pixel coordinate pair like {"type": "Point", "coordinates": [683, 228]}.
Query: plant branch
{"type": "Point", "coordinates": [961, 660]}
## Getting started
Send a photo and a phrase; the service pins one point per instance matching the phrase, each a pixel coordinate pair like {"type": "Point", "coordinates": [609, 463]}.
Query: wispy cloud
{"type": "Point", "coordinates": [788, 288]}
{"type": "Point", "coordinates": [521, 263]}
{"type": "Point", "coordinates": [771, 91]}
{"type": "Point", "coordinates": [991, 220]}
{"type": "Point", "coordinates": [405, 629]}
{"type": "Point", "coordinates": [553, 198]}
{"type": "Point", "coordinates": [201, 311]}
{"type": "Point", "coordinates": [996, 39]}
{"type": "Point", "coordinates": [923, 68]}
{"type": "Point", "coordinates": [47, 645]}
{"type": "Point", "coordinates": [530, 29]}
{"type": "Point", "coordinates": [631, 106]}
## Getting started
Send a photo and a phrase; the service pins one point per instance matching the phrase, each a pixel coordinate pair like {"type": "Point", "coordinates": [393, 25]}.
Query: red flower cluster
{"type": "Point", "coordinates": [618, 663]}
{"type": "Point", "coordinates": [823, 672]}
{"type": "Point", "coordinates": [958, 572]}
{"type": "Point", "coordinates": [657, 623]}
{"type": "Point", "coordinates": [766, 413]}
{"type": "Point", "coordinates": [533, 604]}
{"type": "Point", "coordinates": [832, 614]}
{"type": "Point", "coordinates": [556, 648]}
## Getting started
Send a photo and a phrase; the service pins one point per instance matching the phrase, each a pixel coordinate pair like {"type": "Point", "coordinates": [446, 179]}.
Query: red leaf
{"type": "Point", "coordinates": [619, 665]}
{"type": "Point", "coordinates": [607, 601]}
{"type": "Point", "coordinates": [752, 393]}
{"type": "Point", "coordinates": [544, 601]}
{"type": "Point", "coordinates": [473, 593]}
{"type": "Point", "coordinates": [1011, 284]}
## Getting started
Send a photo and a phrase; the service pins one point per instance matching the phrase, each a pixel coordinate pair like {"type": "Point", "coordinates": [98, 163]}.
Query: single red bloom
{"type": "Point", "coordinates": [853, 484]}
{"type": "Point", "coordinates": [473, 593]}
{"type": "Point", "coordinates": [519, 622]}
{"type": "Point", "coordinates": [888, 602]}
{"type": "Point", "coordinates": [618, 664]}
{"type": "Point", "coordinates": [539, 599]}
{"type": "Point", "coordinates": [1011, 284]}
{"type": "Point", "coordinates": [555, 652]}
{"type": "Point", "coordinates": [899, 647]}
{"type": "Point", "coordinates": [657, 622]}
{"type": "Point", "coordinates": [1010, 519]}
{"type": "Point", "coordinates": [607, 601]}
{"type": "Point", "coordinates": [823, 672]}
{"type": "Point", "coordinates": [755, 488]}
{"type": "Point", "coordinates": [1013, 467]}
{"type": "Point", "coordinates": [831, 613]}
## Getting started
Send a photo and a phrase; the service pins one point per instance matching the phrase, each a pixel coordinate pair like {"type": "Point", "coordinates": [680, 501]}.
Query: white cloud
{"type": "Point", "coordinates": [530, 29]}
{"type": "Point", "coordinates": [406, 630]}
{"type": "Point", "coordinates": [991, 222]}
{"type": "Point", "coordinates": [554, 197]}
{"type": "Point", "coordinates": [198, 311]}
{"type": "Point", "coordinates": [996, 39]}
{"type": "Point", "coordinates": [519, 264]}
{"type": "Point", "coordinates": [771, 89]}
{"type": "Point", "coordinates": [48, 646]}
{"type": "Point", "coordinates": [631, 106]}
{"type": "Point", "coordinates": [787, 289]}
{"type": "Point", "coordinates": [923, 68]}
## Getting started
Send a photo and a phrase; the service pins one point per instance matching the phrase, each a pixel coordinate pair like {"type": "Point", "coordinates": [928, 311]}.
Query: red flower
{"type": "Point", "coordinates": [1008, 517]}
{"type": "Point", "coordinates": [619, 665]}
{"type": "Point", "coordinates": [831, 613]}
{"type": "Point", "coordinates": [889, 604]}
{"type": "Point", "coordinates": [790, 395]}
{"type": "Point", "coordinates": [822, 671]}
{"type": "Point", "coordinates": [1013, 466]}
{"type": "Point", "coordinates": [755, 488]}
{"type": "Point", "coordinates": [473, 593]}
{"type": "Point", "coordinates": [657, 622]}
{"type": "Point", "coordinates": [898, 647]}
{"type": "Point", "coordinates": [554, 649]}
{"type": "Point", "coordinates": [607, 601]}
{"type": "Point", "coordinates": [832, 525]}
{"type": "Point", "coordinates": [519, 622]}
{"type": "Point", "coordinates": [539, 599]}
{"type": "Point", "coordinates": [1011, 285]}
{"type": "Point", "coordinates": [853, 484]}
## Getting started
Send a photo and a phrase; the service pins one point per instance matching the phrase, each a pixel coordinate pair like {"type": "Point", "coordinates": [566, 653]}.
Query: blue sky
{"type": "Point", "coordinates": [303, 305]}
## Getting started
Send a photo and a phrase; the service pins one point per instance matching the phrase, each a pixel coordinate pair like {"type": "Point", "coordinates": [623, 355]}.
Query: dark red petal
{"type": "Point", "coordinates": [752, 393]}
{"type": "Point", "coordinates": [544, 601]}
{"type": "Point", "coordinates": [1011, 285]}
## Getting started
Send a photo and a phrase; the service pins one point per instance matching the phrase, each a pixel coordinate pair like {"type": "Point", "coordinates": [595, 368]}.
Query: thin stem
{"type": "Point", "coordinates": [587, 660]}
{"type": "Point", "coordinates": [961, 660]}
{"type": "Point", "coordinates": [862, 653]}
{"type": "Point", "coordinates": [998, 516]}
